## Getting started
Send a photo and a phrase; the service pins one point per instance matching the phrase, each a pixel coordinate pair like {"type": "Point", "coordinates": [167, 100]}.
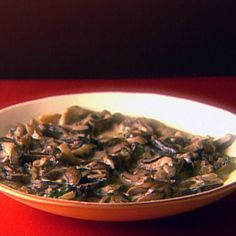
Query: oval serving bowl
{"type": "Point", "coordinates": [183, 114]}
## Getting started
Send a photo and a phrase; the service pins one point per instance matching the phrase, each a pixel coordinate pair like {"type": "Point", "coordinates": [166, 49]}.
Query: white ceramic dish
{"type": "Point", "coordinates": [183, 114]}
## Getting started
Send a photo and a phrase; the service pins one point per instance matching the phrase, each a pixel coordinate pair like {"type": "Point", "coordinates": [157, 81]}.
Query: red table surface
{"type": "Point", "coordinates": [215, 219]}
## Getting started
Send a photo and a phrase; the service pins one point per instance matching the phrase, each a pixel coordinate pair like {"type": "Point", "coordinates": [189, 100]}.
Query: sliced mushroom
{"type": "Point", "coordinates": [141, 126]}
{"type": "Point", "coordinates": [116, 148]}
{"type": "Point", "coordinates": [178, 142]}
{"type": "Point", "coordinates": [105, 199]}
{"type": "Point", "coordinates": [15, 175]}
{"type": "Point", "coordinates": [161, 175]}
{"type": "Point", "coordinates": [195, 145]}
{"type": "Point", "coordinates": [68, 196]}
{"type": "Point", "coordinates": [105, 114]}
{"type": "Point", "coordinates": [160, 162]}
{"type": "Point", "coordinates": [20, 131]}
{"type": "Point", "coordinates": [102, 124]}
{"type": "Point", "coordinates": [102, 156]}
{"type": "Point", "coordinates": [224, 142]}
{"type": "Point", "coordinates": [224, 165]}
{"type": "Point", "coordinates": [49, 118]}
{"type": "Point", "coordinates": [205, 168]}
{"type": "Point", "coordinates": [110, 189]}
{"type": "Point", "coordinates": [80, 127]}
{"type": "Point", "coordinates": [149, 156]}
{"type": "Point", "coordinates": [96, 172]}
{"type": "Point", "coordinates": [36, 183]}
{"type": "Point", "coordinates": [33, 129]}
{"type": "Point", "coordinates": [85, 149]}
{"type": "Point", "coordinates": [52, 131]}
{"type": "Point", "coordinates": [190, 185]}
{"type": "Point", "coordinates": [54, 174]}
{"type": "Point", "coordinates": [65, 151]}
{"type": "Point", "coordinates": [165, 164]}
{"type": "Point", "coordinates": [150, 196]}
{"type": "Point", "coordinates": [137, 139]}
{"type": "Point", "coordinates": [73, 114]}
{"type": "Point", "coordinates": [160, 146]}
{"type": "Point", "coordinates": [34, 173]}
{"type": "Point", "coordinates": [41, 162]}
{"type": "Point", "coordinates": [132, 178]}
{"type": "Point", "coordinates": [24, 141]}
{"type": "Point", "coordinates": [212, 177]}
{"type": "Point", "coordinates": [140, 188]}
{"type": "Point", "coordinates": [200, 143]}
{"type": "Point", "coordinates": [118, 198]}
{"type": "Point", "coordinates": [161, 130]}
{"type": "Point", "coordinates": [72, 176]}
{"type": "Point", "coordinates": [149, 191]}
{"type": "Point", "coordinates": [12, 152]}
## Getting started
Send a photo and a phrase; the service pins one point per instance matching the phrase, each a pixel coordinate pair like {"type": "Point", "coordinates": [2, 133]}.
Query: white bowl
{"type": "Point", "coordinates": [187, 115]}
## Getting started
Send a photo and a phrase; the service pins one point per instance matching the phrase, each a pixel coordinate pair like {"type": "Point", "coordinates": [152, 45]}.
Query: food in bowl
{"type": "Point", "coordinates": [102, 157]}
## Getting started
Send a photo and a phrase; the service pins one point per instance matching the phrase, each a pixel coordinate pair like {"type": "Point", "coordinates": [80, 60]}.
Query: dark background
{"type": "Point", "coordinates": [109, 38]}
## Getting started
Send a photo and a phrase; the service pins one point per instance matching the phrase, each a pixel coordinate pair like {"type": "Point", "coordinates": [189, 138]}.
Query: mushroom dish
{"type": "Point", "coordinates": [92, 156]}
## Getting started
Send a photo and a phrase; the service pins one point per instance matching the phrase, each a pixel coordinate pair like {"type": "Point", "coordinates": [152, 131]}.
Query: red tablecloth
{"type": "Point", "coordinates": [215, 219]}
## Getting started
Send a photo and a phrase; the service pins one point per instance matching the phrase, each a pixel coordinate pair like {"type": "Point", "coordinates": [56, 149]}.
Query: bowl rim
{"type": "Point", "coordinates": [117, 92]}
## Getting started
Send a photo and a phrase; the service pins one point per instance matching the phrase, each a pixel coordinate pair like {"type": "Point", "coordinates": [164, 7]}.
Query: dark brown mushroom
{"type": "Point", "coordinates": [33, 129]}
{"type": "Point", "coordinates": [12, 152]}
{"type": "Point", "coordinates": [129, 178]}
{"type": "Point", "coordinates": [102, 124]}
{"type": "Point", "coordinates": [54, 174]}
{"type": "Point", "coordinates": [137, 139]}
{"type": "Point", "coordinates": [20, 131]}
{"type": "Point", "coordinates": [116, 198]}
{"type": "Point", "coordinates": [161, 175]}
{"type": "Point", "coordinates": [141, 126]}
{"type": "Point", "coordinates": [224, 142]}
{"type": "Point", "coordinates": [116, 148]}
{"type": "Point", "coordinates": [73, 114]}
{"type": "Point", "coordinates": [84, 150]}
{"type": "Point", "coordinates": [140, 188]}
{"type": "Point", "coordinates": [72, 176]}
{"type": "Point", "coordinates": [150, 196]}
{"type": "Point", "coordinates": [79, 127]}
{"type": "Point", "coordinates": [162, 147]}
{"type": "Point", "coordinates": [102, 156]}
{"type": "Point", "coordinates": [66, 152]}
{"type": "Point", "coordinates": [49, 118]}
{"type": "Point", "coordinates": [201, 143]}
{"type": "Point", "coordinates": [159, 163]}
{"type": "Point", "coordinates": [96, 172]}
{"type": "Point", "coordinates": [68, 196]}
{"type": "Point", "coordinates": [205, 168]}
{"type": "Point", "coordinates": [41, 162]}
